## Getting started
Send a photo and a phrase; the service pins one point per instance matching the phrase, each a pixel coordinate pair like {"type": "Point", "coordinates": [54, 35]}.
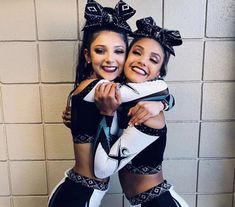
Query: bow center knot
{"type": "Point", "coordinates": [110, 18]}
{"type": "Point", "coordinates": [157, 34]}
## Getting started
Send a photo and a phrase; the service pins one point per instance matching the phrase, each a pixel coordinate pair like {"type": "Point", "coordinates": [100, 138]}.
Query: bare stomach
{"type": "Point", "coordinates": [84, 161]}
{"type": "Point", "coordinates": [133, 184]}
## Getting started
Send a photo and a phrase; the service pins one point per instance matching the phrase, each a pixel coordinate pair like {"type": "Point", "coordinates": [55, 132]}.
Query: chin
{"type": "Point", "coordinates": [136, 81]}
{"type": "Point", "coordinates": [109, 78]}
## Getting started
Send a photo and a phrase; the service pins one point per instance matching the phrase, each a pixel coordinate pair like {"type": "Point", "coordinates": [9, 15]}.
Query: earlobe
{"type": "Point", "coordinates": [87, 56]}
{"type": "Point", "coordinates": [158, 74]}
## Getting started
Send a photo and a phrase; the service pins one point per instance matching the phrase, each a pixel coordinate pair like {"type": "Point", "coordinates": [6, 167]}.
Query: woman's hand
{"type": "Point", "coordinates": [66, 116]}
{"type": "Point", "coordinates": [107, 98]}
{"type": "Point", "coordinates": [144, 110]}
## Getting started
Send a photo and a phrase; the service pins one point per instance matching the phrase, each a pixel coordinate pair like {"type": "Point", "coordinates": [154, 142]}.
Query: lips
{"type": "Point", "coordinates": [109, 69]}
{"type": "Point", "coordinates": [139, 70]}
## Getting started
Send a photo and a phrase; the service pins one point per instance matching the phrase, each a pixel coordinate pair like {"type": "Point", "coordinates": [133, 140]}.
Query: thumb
{"type": "Point", "coordinates": [129, 112]}
{"type": "Point", "coordinates": [118, 94]}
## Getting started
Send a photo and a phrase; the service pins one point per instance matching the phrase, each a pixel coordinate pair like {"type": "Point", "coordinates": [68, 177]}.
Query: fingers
{"type": "Point", "coordinates": [118, 95]}
{"type": "Point", "coordinates": [104, 87]}
{"type": "Point", "coordinates": [139, 117]}
{"type": "Point", "coordinates": [105, 91]}
{"type": "Point", "coordinates": [105, 98]}
{"type": "Point", "coordinates": [140, 113]}
{"type": "Point", "coordinates": [67, 123]}
{"type": "Point", "coordinates": [66, 116]}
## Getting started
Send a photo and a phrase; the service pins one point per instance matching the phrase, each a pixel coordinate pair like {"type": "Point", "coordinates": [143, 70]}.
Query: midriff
{"type": "Point", "coordinates": [84, 161]}
{"type": "Point", "coordinates": [133, 184]}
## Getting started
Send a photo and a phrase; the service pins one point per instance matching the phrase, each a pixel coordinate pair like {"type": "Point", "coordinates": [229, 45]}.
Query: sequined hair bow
{"type": "Point", "coordinates": [96, 15]}
{"type": "Point", "coordinates": [146, 27]}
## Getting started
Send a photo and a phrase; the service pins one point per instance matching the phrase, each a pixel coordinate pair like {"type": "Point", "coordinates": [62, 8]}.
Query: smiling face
{"type": "Point", "coordinates": [144, 61]}
{"type": "Point", "coordinates": [107, 55]}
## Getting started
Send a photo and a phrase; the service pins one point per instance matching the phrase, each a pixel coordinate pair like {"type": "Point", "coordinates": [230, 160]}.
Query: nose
{"type": "Point", "coordinates": [142, 61]}
{"type": "Point", "coordinates": [109, 58]}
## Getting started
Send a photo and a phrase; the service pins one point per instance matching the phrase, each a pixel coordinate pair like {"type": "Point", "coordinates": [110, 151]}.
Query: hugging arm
{"type": "Point", "coordinates": [135, 93]}
{"type": "Point", "coordinates": [130, 92]}
{"type": "Point", "coordinates": [109, 157]}
{"type": "Point", "coordinates": [85, 117]}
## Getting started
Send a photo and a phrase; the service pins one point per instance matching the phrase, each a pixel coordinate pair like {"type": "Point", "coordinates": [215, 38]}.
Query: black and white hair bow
{"type": "Point", "coordinates": [146, 27]}
{"type": "Point", "coordinates": [96, 15]}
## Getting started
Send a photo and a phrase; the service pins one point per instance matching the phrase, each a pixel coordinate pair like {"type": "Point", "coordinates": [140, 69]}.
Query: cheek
{"type": "Point", "coordinates": [155, 71]}
{"type": "Point", "coordinates": [126, 67]}
{"type": "Point", "coordinates": [121, 61]}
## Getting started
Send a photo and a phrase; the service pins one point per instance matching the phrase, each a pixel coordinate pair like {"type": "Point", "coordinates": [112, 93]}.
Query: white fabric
{"type": "Point", "coordinates": [128, 145]}
{"type": "Point", "coordinates": [127, 94]}
{"type": "Point", "coordinates": [132, 141]}
{"type": "Point", "coordinates": [96, 197]}
{"type": "Point", "coordinates": [178, 198]}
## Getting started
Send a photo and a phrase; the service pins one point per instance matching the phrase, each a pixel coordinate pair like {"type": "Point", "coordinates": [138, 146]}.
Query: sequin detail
{"type": "Point", "coordinates": [150, 194]}
{"type": "Point", "coordinates": [88, 182]}
{"type": "Point", "coordinates": [143, 170]}
{"type": "Point", "coordinates": [151, 131]}
{"type": "Point", "coordinates": [98, 16]}
{"type": "Point", "coordinates": [83, 138]}
{"type": "Point", "coordinates": [167, 38]}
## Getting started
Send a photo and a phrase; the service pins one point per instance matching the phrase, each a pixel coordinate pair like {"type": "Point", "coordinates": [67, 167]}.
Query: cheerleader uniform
{"type": "Point", "coordinates": [75, 190]}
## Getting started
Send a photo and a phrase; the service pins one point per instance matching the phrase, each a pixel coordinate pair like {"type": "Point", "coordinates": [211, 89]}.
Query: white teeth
{"type": "Point", "coordinates": [109, 68]}
{"type": "Point", "coordinates": [139, 70]}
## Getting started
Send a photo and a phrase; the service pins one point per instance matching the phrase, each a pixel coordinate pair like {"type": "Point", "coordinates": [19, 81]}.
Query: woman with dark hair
{"type": "Point", "coordinates": [102, 55]}
{"type": "Point", "coordinates": [105, 43]}
{"type": "Point", "coordinates": [138, 152]}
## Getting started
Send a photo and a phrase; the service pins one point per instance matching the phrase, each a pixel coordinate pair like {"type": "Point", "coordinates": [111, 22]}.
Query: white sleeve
{"type": "Point", "coordinates": [135, 91]}
{"type": "Point", "coordinates": [90, 96]}
{"type": "Point", "coordinates": [142, 90]}
{"type": "Point", "coordinates": [122, 151]}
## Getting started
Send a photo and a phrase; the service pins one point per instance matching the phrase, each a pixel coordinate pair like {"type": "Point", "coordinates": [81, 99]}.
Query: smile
{"type": "Point", "coordinates": [109, 69]}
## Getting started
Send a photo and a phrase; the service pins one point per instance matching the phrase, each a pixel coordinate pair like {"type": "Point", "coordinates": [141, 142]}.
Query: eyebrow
{"type": "Point", "coordinates": [152, 53]}
{"type": "Point", "coordinates": [116, 46]}
{"type": "Point", "coordinates": [139, 46]}
{"type": "Point", "coordinates": [156, 54]}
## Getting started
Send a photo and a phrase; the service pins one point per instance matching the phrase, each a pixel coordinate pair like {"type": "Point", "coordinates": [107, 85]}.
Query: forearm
{"type": "Point", "coordinates": [150, 90]}
{"type": "Point", "coordinates": [156, 122]}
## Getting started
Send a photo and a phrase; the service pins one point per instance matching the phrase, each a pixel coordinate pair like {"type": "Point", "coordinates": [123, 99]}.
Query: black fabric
{"type": "Point", "coordinates": [109, 120]}
{"type": "Point", "coordinates": [98, 16]}
{"type": "Point", "coordinates": [103, 134]}
{"type": "Point", "coordinates": [151, 156]}
{"type": "Point", "coordinates": [164, 200]}
{"type": "Point", "coordinates": [167, 38]}
{"type": "Point", "coordinates": [85, 117]}
{"type": "Point", "coordinates": [70, 194]}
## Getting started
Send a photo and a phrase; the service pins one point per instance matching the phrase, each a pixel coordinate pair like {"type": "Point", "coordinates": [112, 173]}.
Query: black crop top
{"type": "Point", "coordinates": [85, 117]}
{"type": "Point", "coordinates": [150, 159]}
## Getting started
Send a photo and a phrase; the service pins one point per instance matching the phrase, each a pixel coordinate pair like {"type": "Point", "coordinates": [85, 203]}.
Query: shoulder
{"type": "Point", "coordinates": [87, 85]}
{"type": "Point", "coordinates": [82, 86]}
{"type": "Point", "coordinates": [158, 82]}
